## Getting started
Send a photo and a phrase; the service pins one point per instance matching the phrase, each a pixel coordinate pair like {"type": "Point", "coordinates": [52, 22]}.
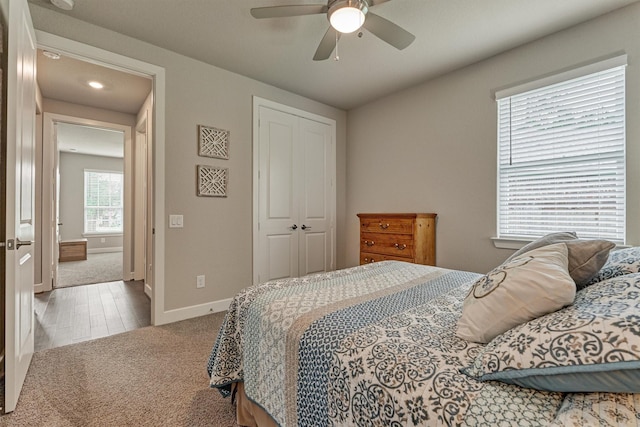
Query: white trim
{"type": "Point", "coordinates": [516, 243]}
{"type": "Point", "coordinates": [104, 250]}
{"type": "Point", "coordinates": [196, 310]}
{"type": "Point", "coordinates": [503, 243]}
{"type": "Point", "coordinates": [562, 76]}
{"type": "Point", "coordinates": [261, 102]}
{"type": "Point", "coordinates": [116, 61]}
{"type": "Point", "coordinates": [48, 257]}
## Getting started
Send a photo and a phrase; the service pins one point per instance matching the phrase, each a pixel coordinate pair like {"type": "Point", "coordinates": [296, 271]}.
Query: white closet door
{"type": "Point", "coordinates": [278, 225]}
{"type": "Point", "coordinates": [315, 198]}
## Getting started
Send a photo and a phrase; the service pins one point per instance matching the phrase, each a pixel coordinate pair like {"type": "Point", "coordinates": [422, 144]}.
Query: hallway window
{"type": "Point", "coordinates": [103, 202]}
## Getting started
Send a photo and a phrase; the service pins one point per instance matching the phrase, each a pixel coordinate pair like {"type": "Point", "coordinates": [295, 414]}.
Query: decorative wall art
{"type": "Point", "coordinates": [212, 181]}
{"type": "Point", "coordinates": [213, 142]}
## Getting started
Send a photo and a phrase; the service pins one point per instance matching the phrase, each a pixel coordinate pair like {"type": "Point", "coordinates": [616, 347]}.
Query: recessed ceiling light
{"type": "Point", "coordinates": [63, 4]}
{"type": "Point", "coordinates": [96, 85]}
{"type": "Point", "coordinates": [51, 55]}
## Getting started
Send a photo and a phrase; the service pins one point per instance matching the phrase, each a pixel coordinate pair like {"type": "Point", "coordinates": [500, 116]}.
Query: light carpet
{"type": "Point", "coordinates": [153, 376]}
{"type": "Point", "coordinates": [97, 268]}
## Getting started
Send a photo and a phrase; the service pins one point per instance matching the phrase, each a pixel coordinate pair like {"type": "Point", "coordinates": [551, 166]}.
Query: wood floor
{"type": "Point", "coordinates": [81, 313]}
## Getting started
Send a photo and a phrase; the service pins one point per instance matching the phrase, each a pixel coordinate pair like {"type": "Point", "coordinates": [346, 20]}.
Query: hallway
{"type": "Point", "coordinates": [81, 313]}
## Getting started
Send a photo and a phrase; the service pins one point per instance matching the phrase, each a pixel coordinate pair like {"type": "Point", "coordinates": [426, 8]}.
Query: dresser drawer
{"type": "Point", "coordinates": [387, 225]}
{"type": "Point", "coordinates": [399, 245]}
{"type": "Point", "coordinates": [366, 258]}
{"type": "Point", "coordinates": [407, 237]}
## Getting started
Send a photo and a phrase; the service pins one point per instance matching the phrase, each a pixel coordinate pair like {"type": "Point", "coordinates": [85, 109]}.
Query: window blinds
{"type": "Point", "coordinates": [561, 158]}
{"type": "Point", "coordinates": [103, 201]}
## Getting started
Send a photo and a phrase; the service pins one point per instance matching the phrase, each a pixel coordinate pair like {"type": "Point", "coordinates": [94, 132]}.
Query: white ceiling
{"type": "Point", "coordinates": [449, 34]}
{"type": "Point", "coordinates": [78, 139]}
{"type": "Point", "coordinates": [66, 79]}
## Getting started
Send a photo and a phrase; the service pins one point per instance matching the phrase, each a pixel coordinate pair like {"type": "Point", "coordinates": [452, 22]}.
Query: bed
{"type": "Point", "coordinates": [379, 344]}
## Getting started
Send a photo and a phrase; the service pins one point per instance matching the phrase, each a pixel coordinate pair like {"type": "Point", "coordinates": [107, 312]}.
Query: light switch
{"type": "Point", "coordinates": [176, 221]}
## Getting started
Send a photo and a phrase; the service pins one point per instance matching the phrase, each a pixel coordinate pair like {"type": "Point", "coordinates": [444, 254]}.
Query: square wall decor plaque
{"type": "Point", "coordinates": [213, 142]}
{"type": "Point", "coordinates": [212, 181]}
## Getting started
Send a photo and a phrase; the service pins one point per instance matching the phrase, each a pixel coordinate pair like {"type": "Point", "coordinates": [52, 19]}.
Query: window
{"type": "Point", "coordinates": [561, 155]}
{"type": "Point", "coordinates": [103, 202]}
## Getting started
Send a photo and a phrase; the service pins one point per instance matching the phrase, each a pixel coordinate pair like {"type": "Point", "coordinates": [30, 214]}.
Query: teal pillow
{"type": "Point", "coordinates": [590, 346]}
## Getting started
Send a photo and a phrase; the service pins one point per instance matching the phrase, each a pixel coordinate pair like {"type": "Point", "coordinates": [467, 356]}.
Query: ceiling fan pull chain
{"type": "Point", "coordinates": [337, 57]}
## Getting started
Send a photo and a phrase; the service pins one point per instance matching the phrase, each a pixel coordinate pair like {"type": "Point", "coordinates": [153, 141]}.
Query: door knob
{"type": "Point", "coordinates": [294, 227]}
{"type": "Point", "coordinates": [304, 227]}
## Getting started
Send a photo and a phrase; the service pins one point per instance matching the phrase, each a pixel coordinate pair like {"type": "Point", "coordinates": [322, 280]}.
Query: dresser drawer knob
{"type": "Point", "coordinates": [384, 226]}
{"type": "Point", "coordinates": [400, 247]}
{"type": "Point", "coordinates": [369, 243]}
{"type": "Point", "coordinates": [369, 260]}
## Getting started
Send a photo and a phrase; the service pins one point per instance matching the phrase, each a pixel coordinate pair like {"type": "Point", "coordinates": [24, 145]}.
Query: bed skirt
{"type": "Point", "coordinates": [248, 414]}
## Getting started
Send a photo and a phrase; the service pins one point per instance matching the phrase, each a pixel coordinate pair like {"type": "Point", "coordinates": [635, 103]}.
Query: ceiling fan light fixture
{"type": "Point", "coordinates": [63, 4]}
{"type": "Point", "coordinates": [347, 16]}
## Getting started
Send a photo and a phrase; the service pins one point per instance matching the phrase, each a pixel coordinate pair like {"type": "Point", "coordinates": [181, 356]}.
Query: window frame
{"type": "Point", "coordinates": [111, 233]}
{"type": "Point", "coordinates": [512, 241]}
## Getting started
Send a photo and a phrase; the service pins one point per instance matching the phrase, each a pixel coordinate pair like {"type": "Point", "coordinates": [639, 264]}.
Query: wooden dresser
{"type": "Point", "coordinates": [407, 237]}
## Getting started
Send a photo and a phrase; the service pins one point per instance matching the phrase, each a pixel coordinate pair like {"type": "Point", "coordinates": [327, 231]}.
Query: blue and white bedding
{"type": "Point", "coordinates": [376, 345]}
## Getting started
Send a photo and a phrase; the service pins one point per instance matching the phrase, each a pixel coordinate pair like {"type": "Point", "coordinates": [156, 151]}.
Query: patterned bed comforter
{"type": "Point", "coordinates": [375, 345]}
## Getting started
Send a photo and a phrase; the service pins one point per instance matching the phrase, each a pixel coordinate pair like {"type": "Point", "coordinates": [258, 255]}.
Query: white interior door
{"type": "Point", "coordinates": [316, 206]}
{"type": "Point", "coordinates": [278, 224]}
{"type": "Point", "coordinates": [21, 110]}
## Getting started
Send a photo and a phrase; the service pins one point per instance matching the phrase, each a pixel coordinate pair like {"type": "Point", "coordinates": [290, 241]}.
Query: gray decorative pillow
{"type": "Point", "coordinates": [586, 257]}
{"type": "Point", "coordinates": [590, 346]}
{"type": "Point", "coordinates": [620, 262]}
{"type": "Point", "coordinates": [546, 240]}
{"type": "Point", "coordinates": [515, 292]}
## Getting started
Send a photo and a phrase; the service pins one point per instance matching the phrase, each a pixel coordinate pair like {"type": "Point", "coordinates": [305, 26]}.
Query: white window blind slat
{"type": "Point", "coordinates": [561, 158]}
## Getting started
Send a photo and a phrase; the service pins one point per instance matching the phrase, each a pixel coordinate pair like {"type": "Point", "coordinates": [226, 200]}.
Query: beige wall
{"type": "Point", "coordinates": [72, 168]}
{"type": "Point", "coordinates": [432, 148]}
{"type": "Point", "coordinates": [217, 236]}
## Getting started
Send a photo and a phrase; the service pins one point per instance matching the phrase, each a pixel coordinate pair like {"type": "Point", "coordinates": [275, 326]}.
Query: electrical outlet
{"type": "Point", "coordinates": [200, 281]}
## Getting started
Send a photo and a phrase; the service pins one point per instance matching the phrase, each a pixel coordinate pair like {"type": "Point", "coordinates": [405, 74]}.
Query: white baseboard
{"type": "Point", "coordinates": [103, 250]}
{"type": "Point", "coordinates": [185, 313]}
{"type": "Point", "coordinates": [147, 290]}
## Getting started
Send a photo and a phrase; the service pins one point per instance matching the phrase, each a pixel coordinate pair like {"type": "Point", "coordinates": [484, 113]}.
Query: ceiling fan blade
{"type": "Point", "coordinates": [388, 31]}
{"type": "Point", "coordinates": [376, 2]}
{"type": "Point", "coordinates": [285, 11]}
{"type": "Point", "coordinates": [327, 44]}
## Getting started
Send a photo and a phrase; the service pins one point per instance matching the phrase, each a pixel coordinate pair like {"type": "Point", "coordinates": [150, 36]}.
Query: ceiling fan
{"type": "Point", "coordinates": [345, 16]}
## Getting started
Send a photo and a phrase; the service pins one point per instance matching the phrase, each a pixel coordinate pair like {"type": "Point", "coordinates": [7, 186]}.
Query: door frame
{"type": "Point", "coordinates": [50, 195]}
{"type": "Point", "coordinates": [105, 58]}
{"type": "Point", "coordinates": [262, 102]}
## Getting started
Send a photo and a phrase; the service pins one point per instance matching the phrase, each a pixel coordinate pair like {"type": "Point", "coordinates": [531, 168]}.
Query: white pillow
{"type": "Point", "coordinates": [523, 288]}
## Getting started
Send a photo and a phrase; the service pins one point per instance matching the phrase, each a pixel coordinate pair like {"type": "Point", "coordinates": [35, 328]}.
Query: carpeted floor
{"type": "Point", "coordinates": [154, 376]}
{"type": "Point", "coordinates": [97, 268]}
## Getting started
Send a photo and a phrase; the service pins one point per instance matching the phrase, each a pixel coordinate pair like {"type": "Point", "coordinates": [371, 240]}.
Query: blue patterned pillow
{"type": "Point", "coordinates": [620, 262]}
{"type": "Point", "coordinates": [590, 346]}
